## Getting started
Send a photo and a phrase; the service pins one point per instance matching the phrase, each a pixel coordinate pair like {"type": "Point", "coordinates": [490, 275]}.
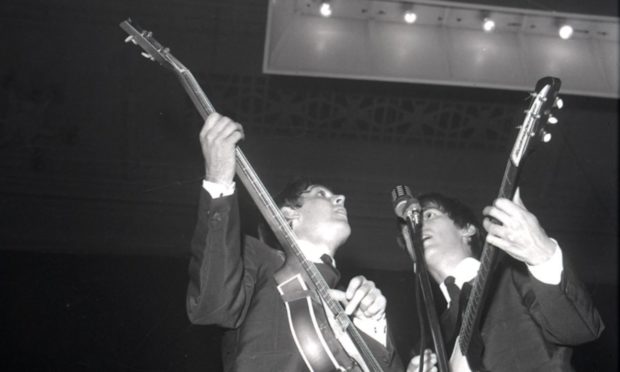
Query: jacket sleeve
{"type": "Point", "coordinates": [220, 284]}
{"type": "Point", "coordinates": [564, 312]}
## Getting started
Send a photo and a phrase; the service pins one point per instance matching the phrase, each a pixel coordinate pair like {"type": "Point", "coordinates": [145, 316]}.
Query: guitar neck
{"type": "Point", "coordinates": [488, 258]}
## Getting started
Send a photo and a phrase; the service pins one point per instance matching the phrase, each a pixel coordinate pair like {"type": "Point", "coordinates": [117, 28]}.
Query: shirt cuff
{"type": "Point", "coordinates": [217, 190]}
{"type": "Point", "coordinates": [377, 329]}
{"type": "Point", "coordinates": [550, 271]}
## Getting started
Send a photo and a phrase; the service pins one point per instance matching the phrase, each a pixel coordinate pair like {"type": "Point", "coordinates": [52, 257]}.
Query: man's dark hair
{"type": "Point", "coordinates": [289, 197]}
{"type": "Point", "coordinates": [458, 212]}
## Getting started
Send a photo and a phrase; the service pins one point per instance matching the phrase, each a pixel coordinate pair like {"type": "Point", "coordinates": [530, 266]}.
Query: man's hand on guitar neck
{"type": "Point", "coordinates": [218, 139]}
{"type": "Point", "coordinates": [519, 234]}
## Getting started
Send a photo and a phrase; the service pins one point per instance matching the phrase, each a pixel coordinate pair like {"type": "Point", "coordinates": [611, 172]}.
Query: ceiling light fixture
{"type": "Point", "coordinates": [565, 31]}
{"type": "Point", "coordinates": [488, 24]}
{"type": "Point", "coordinates": [410, 16]}
{"type": "Point", "coordinates": [326, 9]}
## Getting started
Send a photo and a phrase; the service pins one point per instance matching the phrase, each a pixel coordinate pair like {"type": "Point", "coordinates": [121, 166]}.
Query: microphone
{"type": "Point", "coordinates": [404, 203]}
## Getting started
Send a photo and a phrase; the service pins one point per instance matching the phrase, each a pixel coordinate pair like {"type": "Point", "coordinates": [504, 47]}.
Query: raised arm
{"type": "Point", "coordinates": [218, 287]}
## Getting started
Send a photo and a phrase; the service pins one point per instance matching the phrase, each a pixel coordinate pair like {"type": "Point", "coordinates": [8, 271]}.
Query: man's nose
{"type": "Point", "coordinates": [338, 199]}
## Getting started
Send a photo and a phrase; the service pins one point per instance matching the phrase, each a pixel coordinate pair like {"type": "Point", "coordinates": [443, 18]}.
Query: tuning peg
{"type": "Point", "coordinates": [559, 103]}
{"type": "Point", "coordinates": [148, 56]}
{"type": "Point", "coordinates": [552, 120]}
{"type": "Point", "coordinates": [545, 136]}
{"type": "Point", "coordinates": [130, 38]}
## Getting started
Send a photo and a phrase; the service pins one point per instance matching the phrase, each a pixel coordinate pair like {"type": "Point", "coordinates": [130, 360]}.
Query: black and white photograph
{"type": "Point", "coordinates": [309, 185]}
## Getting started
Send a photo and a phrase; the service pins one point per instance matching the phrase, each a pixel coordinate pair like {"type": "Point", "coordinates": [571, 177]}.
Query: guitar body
{"type": "Point", "coordinates": [319, 345]}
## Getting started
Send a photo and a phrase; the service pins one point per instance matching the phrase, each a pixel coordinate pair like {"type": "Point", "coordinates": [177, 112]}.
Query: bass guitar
{"type": "Point", "coordinates": [544, 100]}
{"type": "Point", "coordinates": [325, 336]}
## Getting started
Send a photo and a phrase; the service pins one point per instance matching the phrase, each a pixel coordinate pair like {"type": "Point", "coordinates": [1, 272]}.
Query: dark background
{"type": "Point", "coordinates": [100, 173]}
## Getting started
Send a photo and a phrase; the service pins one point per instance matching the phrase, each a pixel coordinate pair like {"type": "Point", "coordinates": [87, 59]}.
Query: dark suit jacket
{"type": "Point", "coordinates": [531, 326]}
{"type": "Point", "coordinates": [232, 285]}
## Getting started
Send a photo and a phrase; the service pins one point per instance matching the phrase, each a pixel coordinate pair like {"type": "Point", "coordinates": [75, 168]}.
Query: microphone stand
{"type": "Point", "coordinates": [414, 243]}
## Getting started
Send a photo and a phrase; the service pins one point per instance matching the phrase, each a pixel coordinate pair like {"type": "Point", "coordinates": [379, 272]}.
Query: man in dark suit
{"type": "Point", "coordinates": [537, 308]}
{"type": "Point", "coordinates": [231, 276]}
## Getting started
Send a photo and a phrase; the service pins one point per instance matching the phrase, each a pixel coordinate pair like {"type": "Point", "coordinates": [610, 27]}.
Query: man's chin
{"type": "Point", "coordinates": [344, 235]}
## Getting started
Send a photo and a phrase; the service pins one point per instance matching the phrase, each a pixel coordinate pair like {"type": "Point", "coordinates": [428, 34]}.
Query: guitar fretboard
{"type": "Point", "coordinates": [471, 315]}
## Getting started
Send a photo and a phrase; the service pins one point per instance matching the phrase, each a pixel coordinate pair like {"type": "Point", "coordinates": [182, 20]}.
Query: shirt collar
{"type": "Point", "coordinates": [464, 271]}
{"type": "Point", "coordinates": [314, 252]}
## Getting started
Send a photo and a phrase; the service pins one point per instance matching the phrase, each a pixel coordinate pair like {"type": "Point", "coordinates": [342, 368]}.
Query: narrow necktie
{"type": "Point", "coordinates": [451, 318]}
{"type": "Point", "coordinates": [328, 271]}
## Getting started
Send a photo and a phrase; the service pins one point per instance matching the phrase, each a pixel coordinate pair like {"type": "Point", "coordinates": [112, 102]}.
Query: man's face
{"type": "Point", "coordinates": [322, 217]}
{"type": "Point", "coordinates": [443, 239]}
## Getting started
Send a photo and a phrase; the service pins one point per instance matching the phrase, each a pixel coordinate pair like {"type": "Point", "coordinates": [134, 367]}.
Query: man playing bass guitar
{"type": "Point", "coordinates": [232, 276]}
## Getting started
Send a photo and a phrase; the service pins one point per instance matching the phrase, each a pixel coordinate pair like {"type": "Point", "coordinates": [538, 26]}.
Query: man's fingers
{"type": "Point", "coordinates": [496, 213]}
{"type": "Point", "coordinates": [210, 123]}
{"type": "Point", "coordinates": [354, 284]}
{"type": "Point", "coordinates": [221, 128]}
{"type": "Point", "coordinates": [232, 132]}
{"type": "Point", "coordinates": [218, 126]}
{"type": "Point", "coordinates": [376, 307]}
{"type": "Point", "coordinates": [493, 228]}
{"type": "Point", "coordinates": [338, 295]}
{"type": "Point", "coordinates": [430, 360]}
{"type": "Point", "coordinates": [357, 291]}
{"type": "Point", "coordinates": [354, 303]}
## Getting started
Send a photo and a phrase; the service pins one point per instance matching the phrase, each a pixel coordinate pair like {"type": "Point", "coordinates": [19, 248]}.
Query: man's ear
{"type": "Point", "coordinates": [469, 231]}
{"type": "Point", "coordinates": [290, 214]}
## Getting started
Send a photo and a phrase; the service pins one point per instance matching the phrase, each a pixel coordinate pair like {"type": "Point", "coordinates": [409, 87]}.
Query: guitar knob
{"type": "Point", "coordinates": [147, 56]}
{"type": "Point", "coordinates": [132, 39]}
{"type": "Point", "coordinates": [546, 137]}
{"type": "Point", "coordinates": [559, 103]}
{"type": "Point", "coordinates": [552, 120]}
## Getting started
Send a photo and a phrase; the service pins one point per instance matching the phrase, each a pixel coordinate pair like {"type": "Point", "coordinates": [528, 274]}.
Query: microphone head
{"type": "Point", "coordinates": [400, 195]}
{"type": "Point", "coordinates": [403, 201]}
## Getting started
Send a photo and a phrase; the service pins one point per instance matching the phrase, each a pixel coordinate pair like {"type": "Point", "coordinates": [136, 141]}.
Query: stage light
{"type": "Point", "coordinates": [326, 9]}
{"type": "Point", "coordinates": [410, 16]}
{"type": "Point", "coordinates": [488, 24]}
{"type": "Point", "coordinates": [565, 32]}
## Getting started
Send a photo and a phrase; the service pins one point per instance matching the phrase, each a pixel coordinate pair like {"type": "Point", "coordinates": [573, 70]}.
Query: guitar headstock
{"type": "Point", "coordinates": [153, 50]}
{"type": "Point", "coordinates": [544, 100]}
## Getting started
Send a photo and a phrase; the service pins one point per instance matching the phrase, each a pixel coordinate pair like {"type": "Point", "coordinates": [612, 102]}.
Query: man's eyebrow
{"type": "Point", "coordinates": [308, 190]}
{"type": "Point", "coordinates": [432, 207]}
{"type": "Point", "coordinates": [316, 188]}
